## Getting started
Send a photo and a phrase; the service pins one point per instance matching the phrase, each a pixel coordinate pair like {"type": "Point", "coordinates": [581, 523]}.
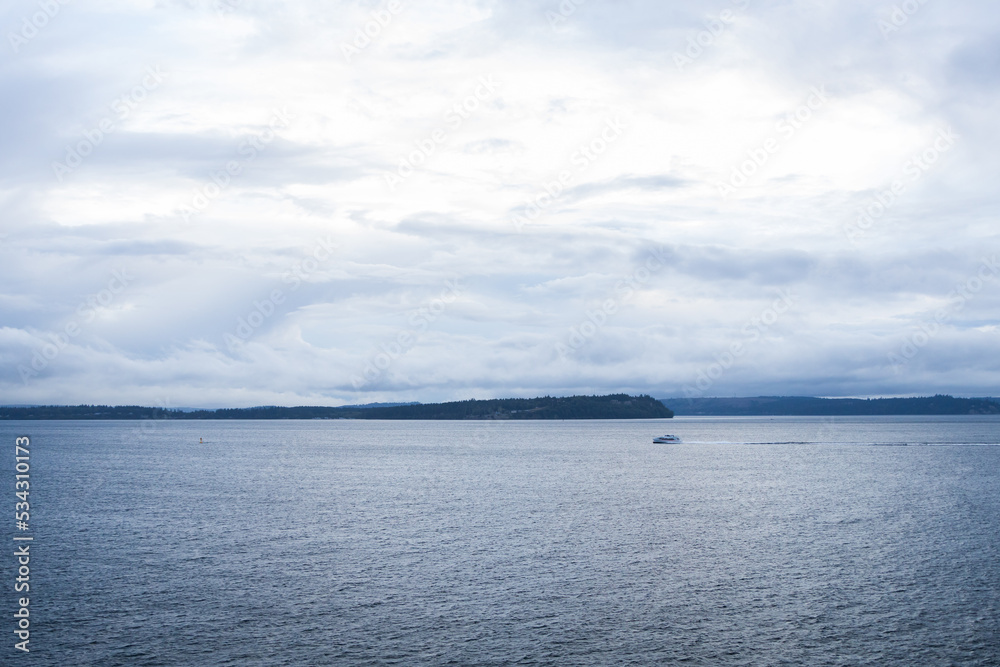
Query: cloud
{"type": "Point", "coordinates": [308, 248]}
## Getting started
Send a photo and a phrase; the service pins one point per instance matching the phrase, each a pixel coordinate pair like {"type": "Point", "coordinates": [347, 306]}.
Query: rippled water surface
{"type": "Point", "coordinates": [771, 541]}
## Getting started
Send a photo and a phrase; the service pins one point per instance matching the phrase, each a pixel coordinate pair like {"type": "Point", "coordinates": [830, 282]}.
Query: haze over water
{"type": "Point", "coordinates": [344, 542]}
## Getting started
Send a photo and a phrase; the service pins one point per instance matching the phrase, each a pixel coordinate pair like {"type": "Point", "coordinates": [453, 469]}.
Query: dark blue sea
{"type": "Point", "coordinates": [767, 541]}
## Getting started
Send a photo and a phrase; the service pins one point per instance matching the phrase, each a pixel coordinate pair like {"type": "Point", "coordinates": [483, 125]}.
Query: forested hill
{"type": "Point", "coordinates": [776, 406]}
{"type": "Point", "coordinates": [616, 406]}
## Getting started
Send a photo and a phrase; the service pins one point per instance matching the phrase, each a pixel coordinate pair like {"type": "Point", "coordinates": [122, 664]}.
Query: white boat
{"type": "Point", "coordinates": [664, 439]}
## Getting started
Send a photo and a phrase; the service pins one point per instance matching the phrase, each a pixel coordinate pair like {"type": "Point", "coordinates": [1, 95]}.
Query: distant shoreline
{"type": "Point", "coordinates": [615, 406]}
{"type": "Point", "coordinates": [803, 406]}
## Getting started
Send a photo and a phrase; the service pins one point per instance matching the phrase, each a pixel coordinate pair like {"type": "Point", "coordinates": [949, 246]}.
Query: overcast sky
{"type": "Point", "coordinates": [239, 202]}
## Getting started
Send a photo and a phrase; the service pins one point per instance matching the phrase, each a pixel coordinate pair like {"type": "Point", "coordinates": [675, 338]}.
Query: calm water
{"type": "Point", "coordinates": [772, 541]}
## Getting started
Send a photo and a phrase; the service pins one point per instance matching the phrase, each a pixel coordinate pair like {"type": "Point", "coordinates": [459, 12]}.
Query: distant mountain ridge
{"type": "Point", "coordinates": [615, 406]}
{"type": "Point", "coordinates": [802, 406]}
